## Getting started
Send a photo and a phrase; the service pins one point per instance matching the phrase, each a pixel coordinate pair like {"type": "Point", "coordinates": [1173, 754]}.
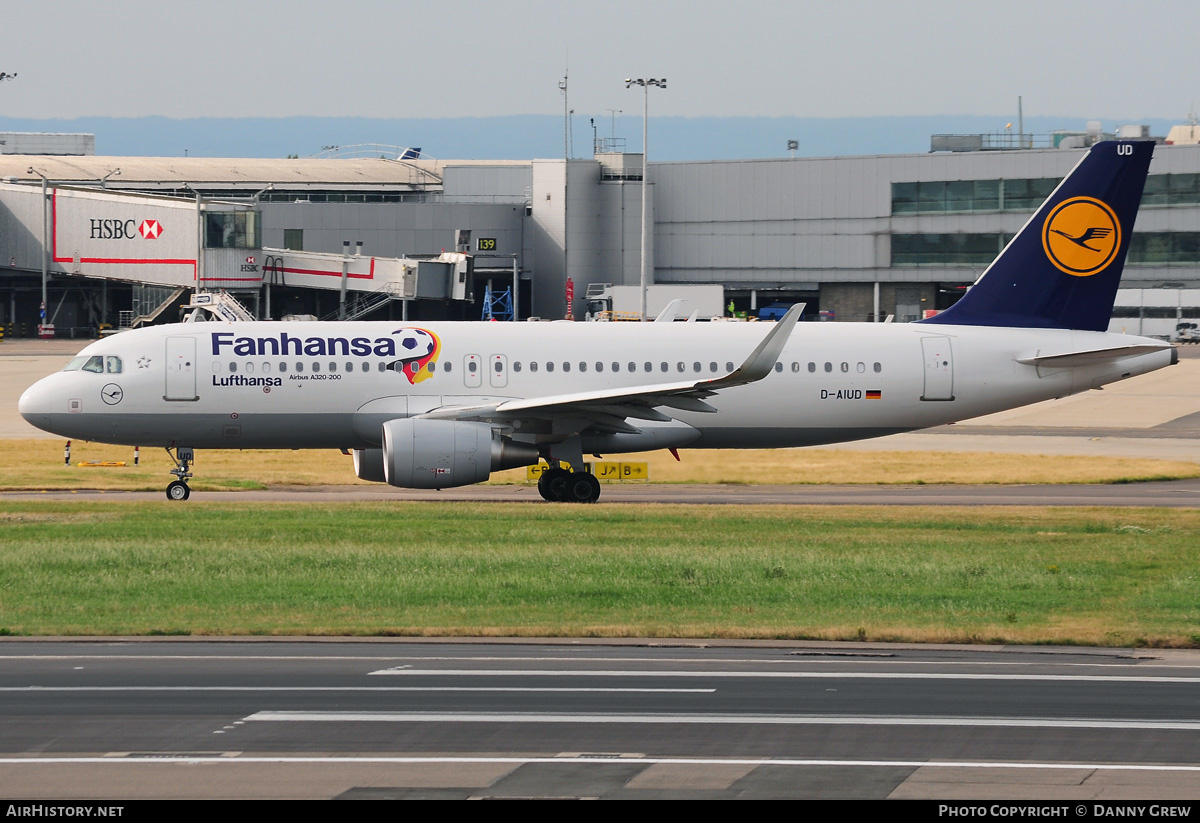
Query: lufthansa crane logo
{"type": "Point", "coordinates": [1081, 236]}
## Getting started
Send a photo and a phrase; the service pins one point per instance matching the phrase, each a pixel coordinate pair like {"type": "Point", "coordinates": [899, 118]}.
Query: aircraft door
{"type": "Point", "coordinates": [181, 369]}
{"type": "Point", "coordinates": [472, 371]}
{"type": "Point", "coordinates": [498, 371]}
{"type": "Point", "coordinates": [939, 368]}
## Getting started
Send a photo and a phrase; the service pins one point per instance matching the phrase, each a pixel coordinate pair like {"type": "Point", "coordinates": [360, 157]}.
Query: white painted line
{"type": "Point", "coordinates": [719, 719]}
{"type": "Point", "coordinates": [170, 760]}
{"type": "Point", "coordinates": [1074, 678]}
{"type": "Point", "coordinates": [615, 690]}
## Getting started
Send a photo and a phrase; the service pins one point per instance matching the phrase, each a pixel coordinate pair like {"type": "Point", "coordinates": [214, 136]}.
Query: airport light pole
{"type": "Point", "coordinates": [45, 235]}
{"type": "Point", "coordinates": [645, 84]}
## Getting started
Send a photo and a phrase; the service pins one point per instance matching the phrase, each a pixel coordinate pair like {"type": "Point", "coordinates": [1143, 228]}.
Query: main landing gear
{"type": "Point", "coordinates": [559, 485]}
{"type": "Point", "coordinates": [179, 489]}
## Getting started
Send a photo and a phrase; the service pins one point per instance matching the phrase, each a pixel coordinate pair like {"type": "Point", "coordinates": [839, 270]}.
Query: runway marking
{"type": "Point", "coordinates": [716, 719]}
{"type": "Point", "coordinates": [1084, 678]}
{"type": "Point", "coordinates": [618, 690]}
{"type": "Point", "coordinates": [237, 760]}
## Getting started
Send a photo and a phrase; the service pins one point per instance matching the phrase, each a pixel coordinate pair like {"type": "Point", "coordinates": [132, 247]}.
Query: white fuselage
{"type": "Point", "coordinates": [329, 385]}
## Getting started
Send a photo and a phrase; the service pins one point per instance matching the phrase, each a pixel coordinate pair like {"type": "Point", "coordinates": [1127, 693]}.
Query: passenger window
{"type": "Point", "coordinates": [94, 365]}
{"type": "Point", "coordinates": [696, 366]}
{"type": "Point", "coordinates": [845, 367]}
{"type": "Point", "coordinates": [648, 367]}
{"type": "Point", "coordinates": [566, 366]}
{"type": "Point", "coordinates": [828, 368]}
{"type": "Point", "coordinates": [679, 366]}
{"type": "Point", "coordinates": [472, 367]}
{"type": "Point", "coordinates": [778, 367]}
{"type": "Point", "coordinates": [217, 366]}
{"type": "Point", "coordinates": [712, 367]}
{"type": "Point", "coordinates": [878, 368]}
{"type": "Point", "coordinates": [795, 367]}
{"type": "Point", "coordinates": [232, 367]}
{"type": "Point", "coordinates": [382, 366]}
{"type": "Point", "coordinates": [282, 368]}
{"type": "Point", "coordinates": [266, 367]}
{"type": "Point", "coordinates": [350, 365]}
{"type": "Point", "coordinates": [633, 367]}
{"type": "Point", "coordinates": [316, 366]}
{"type": "Point", "coordinates": [549, 365]}
{"type": "Point", "coordinates": [862, 367]}
{"type": "Point", "coordinates": [728, 366]}
{"type": "Point", "coordinates": [300, 366]}
{"type": "Point", "coordinates": [533, 365]}
{"type": "Point", "coordinates": [599, 366]}
{"type": "Point", "coordinates": [499, 367]}
{"type": "Point", "coordinates": [812, 367]}
{"type": "Point", "coordinates": [113, 364]}
{"type": "Point", "coordinates": [665, 367]}
{"type": "Point", "coordinates": [516, 365]}
{"type": "Point", "coordinates": [582, 366]}
{"type": "Point", "coordinates": [446, 366]}
{"type": "Point", "coordinates": [249, 368]}
{"type": "Point", "coordinates": [333, 366]}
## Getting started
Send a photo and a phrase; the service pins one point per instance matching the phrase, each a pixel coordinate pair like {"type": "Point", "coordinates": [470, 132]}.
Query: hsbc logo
{"type": "Point", "coordinates": [108, 229]}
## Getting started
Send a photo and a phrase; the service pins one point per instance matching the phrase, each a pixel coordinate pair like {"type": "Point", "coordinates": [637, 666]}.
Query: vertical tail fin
{"type": "Point", "coordinates": [1063, 268]}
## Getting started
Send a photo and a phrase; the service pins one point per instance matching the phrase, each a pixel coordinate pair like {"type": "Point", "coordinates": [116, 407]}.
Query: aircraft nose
{"type": "Point", "coordinates": [34, 405]}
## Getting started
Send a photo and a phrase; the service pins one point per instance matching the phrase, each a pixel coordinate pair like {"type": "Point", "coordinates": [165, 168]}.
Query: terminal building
{"type": "Point", "coordinates": [126, 240]}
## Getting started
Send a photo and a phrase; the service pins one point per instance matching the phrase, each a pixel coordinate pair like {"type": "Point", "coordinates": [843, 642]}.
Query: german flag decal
{"type": "Point", "coordinates": [874, 394]}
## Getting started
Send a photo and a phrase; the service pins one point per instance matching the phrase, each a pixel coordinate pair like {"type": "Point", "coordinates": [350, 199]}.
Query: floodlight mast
{"type": "Point", "coordinates": [645, 84]}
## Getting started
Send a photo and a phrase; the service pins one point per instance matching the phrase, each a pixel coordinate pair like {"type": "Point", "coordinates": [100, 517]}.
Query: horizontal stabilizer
{"type": "Point", "coordinates": [1085, 358]}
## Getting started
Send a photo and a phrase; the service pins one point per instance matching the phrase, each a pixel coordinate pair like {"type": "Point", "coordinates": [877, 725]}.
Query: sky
{"type": "Point", "coordinates": [468, 58]}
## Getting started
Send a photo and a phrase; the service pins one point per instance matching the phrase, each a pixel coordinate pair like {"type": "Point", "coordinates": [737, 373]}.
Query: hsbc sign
{"type": "Point", "coordinates": [110, 229]}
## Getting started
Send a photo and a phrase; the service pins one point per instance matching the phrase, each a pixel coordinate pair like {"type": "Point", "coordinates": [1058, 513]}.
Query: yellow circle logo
{"type": "Point", "coordinates": [1081, 236]}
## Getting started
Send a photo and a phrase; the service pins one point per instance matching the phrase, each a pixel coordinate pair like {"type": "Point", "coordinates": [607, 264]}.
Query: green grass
{"type": "Point", "coordinates": [1103, 576]}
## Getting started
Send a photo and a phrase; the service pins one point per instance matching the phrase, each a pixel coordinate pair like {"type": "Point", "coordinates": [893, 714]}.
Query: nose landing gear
{"type": "Point", "coordinates": [179, 489]}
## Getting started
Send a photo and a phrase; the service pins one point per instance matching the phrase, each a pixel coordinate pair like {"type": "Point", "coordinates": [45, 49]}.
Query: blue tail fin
{"type": "Point", "coordinates": [1062, 269]}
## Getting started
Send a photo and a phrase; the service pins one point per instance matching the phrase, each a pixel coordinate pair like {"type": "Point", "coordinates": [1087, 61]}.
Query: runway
{"type": "Point", "coordinates": [640, 719]}
{"type": "Point", "coordinates": [1169, 494]}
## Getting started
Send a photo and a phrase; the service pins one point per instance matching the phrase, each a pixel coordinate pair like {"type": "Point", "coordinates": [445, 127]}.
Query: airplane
{"type": "Point", "coordinates": [441, 404]}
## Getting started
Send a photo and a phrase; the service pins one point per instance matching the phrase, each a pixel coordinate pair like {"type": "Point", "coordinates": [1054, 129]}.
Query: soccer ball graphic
{"type": "Point", "coordinates": [417, 348]}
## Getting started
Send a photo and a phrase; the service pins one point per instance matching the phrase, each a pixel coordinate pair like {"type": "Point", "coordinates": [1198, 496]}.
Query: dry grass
{"type": "Point", "coordinates": [38, 464]}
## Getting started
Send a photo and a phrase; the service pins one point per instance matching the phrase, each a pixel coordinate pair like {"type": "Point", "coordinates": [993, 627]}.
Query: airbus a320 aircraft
{"type": "Point", "coordinates": [446, 404]}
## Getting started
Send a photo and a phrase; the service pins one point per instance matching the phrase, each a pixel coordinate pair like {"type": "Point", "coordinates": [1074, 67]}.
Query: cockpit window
{"type": "Point", "coordinates": [112, 364]}
{"type": "Point", "coordinates": [76, 363]}
{"type": "Point", "coordinates": [94, 364]}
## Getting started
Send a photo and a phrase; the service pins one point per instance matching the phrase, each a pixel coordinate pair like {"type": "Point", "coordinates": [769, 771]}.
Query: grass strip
{"type": "Point", "coordinates": [38, 464]}
{"type": "Point", "coordinates": [1112, 577]}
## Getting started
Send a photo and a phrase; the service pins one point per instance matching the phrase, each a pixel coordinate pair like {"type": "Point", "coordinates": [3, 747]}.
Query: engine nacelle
{"type": "Point", "coordinates": [419, 453]}
{"type": "Point", "coordinates": [368, 465]}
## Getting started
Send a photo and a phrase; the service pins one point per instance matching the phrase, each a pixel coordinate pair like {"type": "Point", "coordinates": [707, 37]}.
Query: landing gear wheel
{"type": "Point", "coordinates": [178, 490]}
{"type": "Point", "coordinates": [544, 486]}
{"type": "Point", "coordinates": [584, 488]}
{"type": "Point", "coordinates": [557, 488]}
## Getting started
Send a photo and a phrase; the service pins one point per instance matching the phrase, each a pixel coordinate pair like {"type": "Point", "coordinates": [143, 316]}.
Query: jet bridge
{"type": "Point", "coordinates": [163, 244]}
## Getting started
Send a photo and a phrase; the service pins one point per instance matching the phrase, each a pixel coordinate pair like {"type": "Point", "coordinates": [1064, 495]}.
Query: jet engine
{"type": "Point", "coordinates": [368, 465]}
{"type": "Point", "coordinates": [419, 453]}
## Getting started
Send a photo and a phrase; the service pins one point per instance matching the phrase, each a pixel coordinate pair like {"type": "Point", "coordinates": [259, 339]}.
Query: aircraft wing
{"type": "Point", "coordinates": [609, 407]}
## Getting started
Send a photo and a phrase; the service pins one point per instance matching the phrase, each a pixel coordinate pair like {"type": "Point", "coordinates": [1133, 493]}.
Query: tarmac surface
{"type": "Point", "coordinates": [634, 719]}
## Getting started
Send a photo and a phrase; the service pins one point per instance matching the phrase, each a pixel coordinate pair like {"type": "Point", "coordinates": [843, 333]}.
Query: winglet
{"type": "Point", "coordinates": [667, 315]}
{"type": "Point", "coordinates": [760, 362]}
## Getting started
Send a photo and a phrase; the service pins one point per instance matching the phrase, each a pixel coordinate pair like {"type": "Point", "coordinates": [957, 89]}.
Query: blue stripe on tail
{"type": "Point", "coordinates": [1062, 269]}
